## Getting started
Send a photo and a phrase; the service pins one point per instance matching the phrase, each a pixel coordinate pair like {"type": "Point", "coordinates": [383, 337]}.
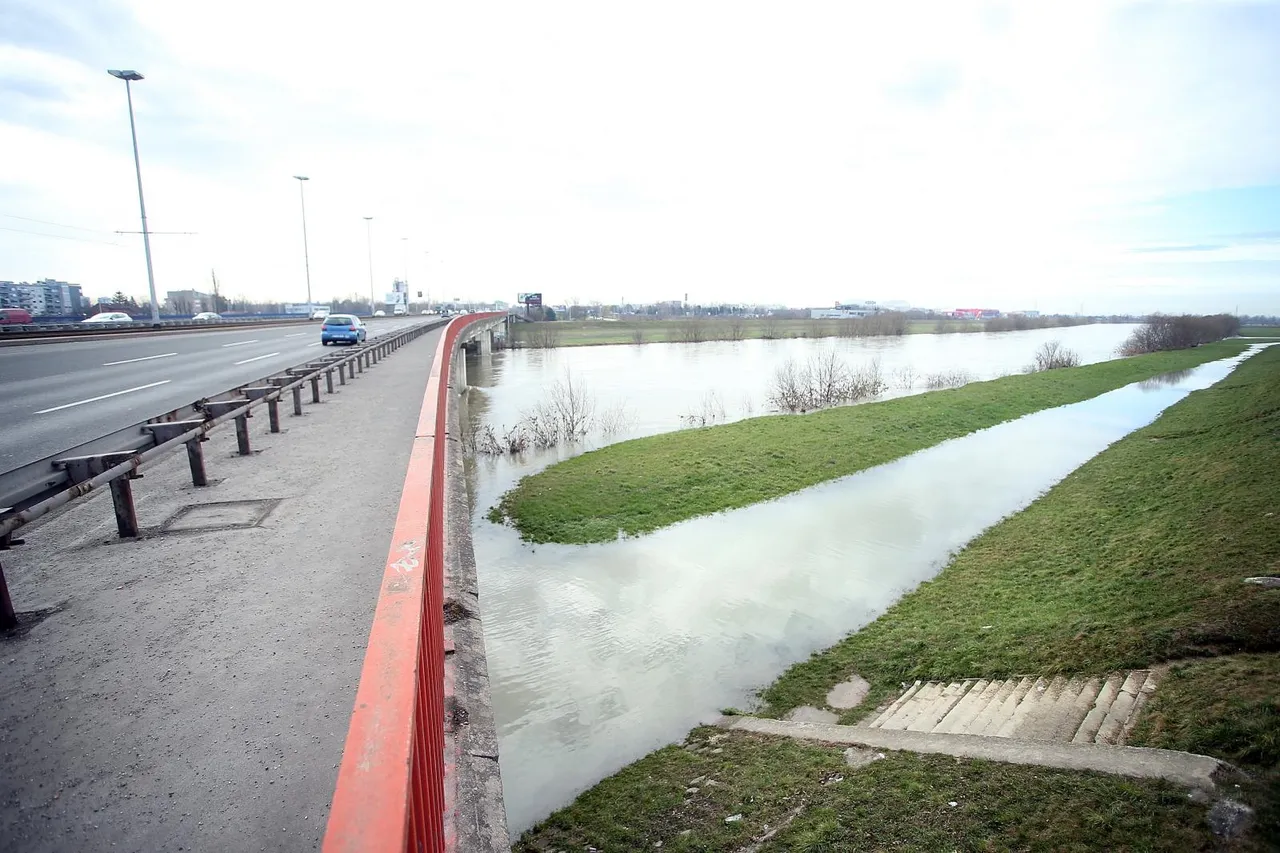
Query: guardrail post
{"type": "Point", "coordinates": [297, 400]}
{"type": "Point", "coordinates": [315, 388]}
{"type": "Point", "coordinates": [359, 362]}
{"type": "Point", "coordinates": [273, 415]}
{"type": "Point", "coordinates": [342, 375]}
{"type": "Point", "coordinates": [8, 617]}
{"type": "Point", "coordinates": [126, 513]}
{"type": "Point", "coordinates": [242, 434]}
{"type": "Point", "coordinates": [195, 456]}
{"type": "Point", "coordinates": [328, 380]}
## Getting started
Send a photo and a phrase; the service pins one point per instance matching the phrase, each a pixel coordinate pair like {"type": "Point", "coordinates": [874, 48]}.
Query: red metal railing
{"type": "Point", "coordinates": [392, 792]}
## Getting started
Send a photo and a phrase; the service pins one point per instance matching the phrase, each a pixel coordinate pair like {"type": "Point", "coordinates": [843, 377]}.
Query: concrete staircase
{"type": "Point", "coordinates": [1057, 710]}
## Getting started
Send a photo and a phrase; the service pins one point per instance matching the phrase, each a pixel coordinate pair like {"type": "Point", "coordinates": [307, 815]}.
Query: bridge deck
{"type": "Point", "coordinates": [195, 688]}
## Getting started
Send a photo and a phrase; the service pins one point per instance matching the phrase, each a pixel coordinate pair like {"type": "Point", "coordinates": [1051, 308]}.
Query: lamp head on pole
{"type": "Point", "coordinates": [302, 177]}
{"type": "Point", "coordinates": [125, 75]}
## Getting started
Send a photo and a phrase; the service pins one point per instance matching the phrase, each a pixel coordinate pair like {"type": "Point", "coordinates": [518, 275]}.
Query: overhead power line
{"type": "Point", "coordinates": [54, 224]}
{"type": "Point", "coordinates": [58, 236]}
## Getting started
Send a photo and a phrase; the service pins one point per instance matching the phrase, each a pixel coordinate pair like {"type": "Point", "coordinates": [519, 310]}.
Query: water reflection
{"type": "Point", "coordinates": [1173, 377]}
{"type": "Point", "coordinates": [599, 654]}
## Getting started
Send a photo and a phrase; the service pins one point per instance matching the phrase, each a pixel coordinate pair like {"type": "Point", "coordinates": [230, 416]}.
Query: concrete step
{"type": "Point", "coordinates": [895, 705]}
{"type": "Point", "coordinates": [911, 709]}
{"type": "Point", "coordinates": [1001, 707]}
{"type": "Point", "coordinates": [1121, 708]}
{"type": "Point", "coordinates": [1101, 705]}
{"type": "Point", "coordinates": [1182, 768]}
{"type": "Point", "coordinates": [979, 695]}
{"type": "Point", "coordinates": [1059, 709]}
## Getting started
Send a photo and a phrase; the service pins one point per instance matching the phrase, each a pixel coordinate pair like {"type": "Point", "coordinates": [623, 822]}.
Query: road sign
{"type": "Point", "coordinates": [534, 299]}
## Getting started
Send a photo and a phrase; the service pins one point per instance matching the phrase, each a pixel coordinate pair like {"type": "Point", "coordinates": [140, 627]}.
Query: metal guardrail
{"type": "Point", "coordinates": [40, 331]}
{"type": "Point", "coordinates": [34, 490]}
{"type": "Point", "coordinates": [393, 791]}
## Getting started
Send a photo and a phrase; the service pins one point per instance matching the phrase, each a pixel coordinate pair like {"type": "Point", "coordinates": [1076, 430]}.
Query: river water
{"type": "Point", "coordinates": [599, 654]}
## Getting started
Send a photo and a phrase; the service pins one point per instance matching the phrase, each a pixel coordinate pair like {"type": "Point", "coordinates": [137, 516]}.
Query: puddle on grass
{"type": "Point", "coordinates": [599, 654]}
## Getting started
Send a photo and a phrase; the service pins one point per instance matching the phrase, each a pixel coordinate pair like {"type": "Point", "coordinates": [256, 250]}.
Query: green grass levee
{"type": "Point", "coordinates": [743, 790]}
{"type": "Point", "coordinates": [1137, 557]}
{"type": "Point", "coordinates": [642, 485]}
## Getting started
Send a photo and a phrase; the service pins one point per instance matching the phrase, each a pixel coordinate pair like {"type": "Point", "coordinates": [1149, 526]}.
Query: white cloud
{"type": "Point", "coordinates": [937, 152]}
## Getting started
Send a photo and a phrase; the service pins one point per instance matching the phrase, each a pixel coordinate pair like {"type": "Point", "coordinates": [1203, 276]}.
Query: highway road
{"type": "Point", "coordinates": [56, 396]}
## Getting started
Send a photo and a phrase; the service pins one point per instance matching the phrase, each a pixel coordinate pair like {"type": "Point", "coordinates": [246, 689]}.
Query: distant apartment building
{"type": "Point", "coordinates": [46, 298]}
{"type": "Point", "coordinates": [189, 301]}
{"type": "Point", "coordinates": [845, 311]}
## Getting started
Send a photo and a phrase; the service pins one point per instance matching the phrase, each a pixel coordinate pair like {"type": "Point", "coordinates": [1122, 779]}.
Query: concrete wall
{"type": "Point", "coordinates": [479, 813]}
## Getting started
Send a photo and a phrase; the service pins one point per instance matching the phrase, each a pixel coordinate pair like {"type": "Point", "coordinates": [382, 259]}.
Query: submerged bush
{"type": "Point", "coordinates": [824, 381]}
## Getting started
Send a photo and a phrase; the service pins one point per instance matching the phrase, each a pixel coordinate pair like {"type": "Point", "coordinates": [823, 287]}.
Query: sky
{"type": "Point", "coordinates": [1062, 156]}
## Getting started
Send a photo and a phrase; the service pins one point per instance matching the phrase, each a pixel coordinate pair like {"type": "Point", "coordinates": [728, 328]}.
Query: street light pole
{"type": "Point", "coordinates": [368, 227]}
{"type": "Point", "coordinates": [130, 77]}
{"type": "Point", "coordinates": [306, 257]}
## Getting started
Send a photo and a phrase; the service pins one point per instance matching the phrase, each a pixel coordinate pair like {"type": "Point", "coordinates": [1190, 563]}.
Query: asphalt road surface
{"type": "Point", "coordinates": [56, 396]}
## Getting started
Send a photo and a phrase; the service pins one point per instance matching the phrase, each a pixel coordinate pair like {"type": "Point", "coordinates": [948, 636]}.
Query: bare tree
{"type": "Point", "coordinates": [1052, 355]}
{"type": "Point", "coordinates": [769, 327]}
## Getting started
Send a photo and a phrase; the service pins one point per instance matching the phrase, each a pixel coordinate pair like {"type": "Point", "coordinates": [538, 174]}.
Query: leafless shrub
{"type": "Point", "coordinates": [948, 379]}
{"type": "Point", "coordinates": [615, 419]}
{"type": "Point", "coordinates": [1052, 355]}
{"type": "Point", "coordinates": [572, 407]}
{"type": "Point", "coordinates": [710, 410]}
{"type": "Point", "coordinates": [736, 326]}
{"type": "Point", "coordinates": [1162, 332]}
{"type": "Point", "coordinates": [889, 323]}
{"type": "Point", "coordinates": [637, 336]}
{"type": "Point", "coordinates": [769, 327]}
{"type": "Point", "coordinates": [1020, 322]}
{"type": "Point", "coordinates": [823, 382]}
{"type": "Point", "coordinates": [693, 330]}
{"type": "Point", "coordinates": [512, 441]}
{"type": "Point", "coordinates": [541, 335]}
{"type": "Point", "coordinates": [905, 377]}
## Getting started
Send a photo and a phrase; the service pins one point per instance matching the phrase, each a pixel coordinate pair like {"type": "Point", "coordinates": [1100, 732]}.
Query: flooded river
{"type": "Point", "coordinates": [601, 653]}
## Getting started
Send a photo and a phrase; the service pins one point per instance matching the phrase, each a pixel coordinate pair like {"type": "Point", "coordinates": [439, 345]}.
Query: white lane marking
{"type": "Point", "coordinates": [256, 358]}
{"type": "Point", "coordinates": [102, 397]}
{"type": "Point", "coordinates": [240, 343]}
{"type": "Point", "coordinates": [143, 358]}
{"type": "Point", "coordinates": [296, 335]}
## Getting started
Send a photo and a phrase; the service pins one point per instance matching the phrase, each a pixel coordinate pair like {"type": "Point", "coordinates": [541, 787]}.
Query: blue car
{"type": "Point", "coordinates": [342, 327]}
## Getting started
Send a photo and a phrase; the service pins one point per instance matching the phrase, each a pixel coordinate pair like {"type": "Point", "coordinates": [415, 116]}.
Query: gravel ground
{"type": "Point", "coordinates": [192, 689]}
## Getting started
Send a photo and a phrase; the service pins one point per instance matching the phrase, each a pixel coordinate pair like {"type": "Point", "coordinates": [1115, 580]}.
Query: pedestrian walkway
{"type": "Point", "coordinates": [1182, 768]}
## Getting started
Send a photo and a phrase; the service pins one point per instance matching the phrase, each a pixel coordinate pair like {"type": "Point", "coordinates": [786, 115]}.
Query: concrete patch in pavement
{"type": "Point", "coordinates": [219, 515]}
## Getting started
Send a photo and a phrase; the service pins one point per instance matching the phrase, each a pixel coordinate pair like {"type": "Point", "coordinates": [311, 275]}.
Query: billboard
{"type": "Point", "coordinates": [534, 299]}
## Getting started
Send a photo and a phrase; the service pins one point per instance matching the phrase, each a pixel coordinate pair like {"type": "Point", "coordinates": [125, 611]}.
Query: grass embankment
{"type": "Point", "coordinates": [680, 798]}
{"type": "Point", "coordinates": [1134, 559]}
{"type": "Point", "coordinates": [577, 333]}
{"type": "Point", "coordinates": [1260, 331]}
{"type": "Point", "coordinates": [642, 485]}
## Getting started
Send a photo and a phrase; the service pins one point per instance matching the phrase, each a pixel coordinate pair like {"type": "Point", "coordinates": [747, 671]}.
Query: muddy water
{"type": "Point", "coordinates": [601, 653]}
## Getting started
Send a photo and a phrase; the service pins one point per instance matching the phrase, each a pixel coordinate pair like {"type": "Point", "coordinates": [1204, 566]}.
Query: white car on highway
{"type": "Point", "coordinates": [109, 317]}
{"type": "Point", "coordinates": [207, 315]}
